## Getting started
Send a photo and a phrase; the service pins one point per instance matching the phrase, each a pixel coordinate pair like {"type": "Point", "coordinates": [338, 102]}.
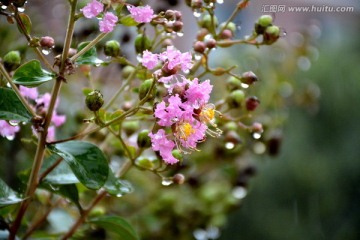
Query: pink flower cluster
{"type": "Point", "coordinates": [171, 59]}
{"type": "Point", "coordinates": [186, 113]}
{"type": "Point", "coordinates": [93, 9]}
{"type": "Point", "coordinates": [41, 104]}
{"type": "Point", "coordinates": [142, 14]}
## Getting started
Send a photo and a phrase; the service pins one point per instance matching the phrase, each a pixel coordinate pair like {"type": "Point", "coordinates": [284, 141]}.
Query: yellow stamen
{"type": "Point", "coordinates": [185, 130]}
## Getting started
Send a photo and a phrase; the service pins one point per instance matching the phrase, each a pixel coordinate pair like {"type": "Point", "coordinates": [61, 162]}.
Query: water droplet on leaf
{"type": "Point", "coordinates": [239, 192]}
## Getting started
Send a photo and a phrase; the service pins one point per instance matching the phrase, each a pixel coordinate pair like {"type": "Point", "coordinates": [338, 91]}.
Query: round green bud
{"type": "Point", "coordinates": [271, 34]}
{"type": "Point", "coordinates": [265, 20]}
{"type": "Point", "coordinates": [231, 26]}
{"type": "Point", "coordinates": [112, 48]}
{"type": "Point", "coordinates": [233, 83]}
{"type": "Point", "coordinates": [143, 140]}
{"type": "Point", "coordinates": [142, 43]}
{"type": "Point", "coordinates": [130, 127]}
{"type": "Point", "coordinates": [207, 23]}
{"type": "Point", "coordinates": [144, 163]}
{"type": "Point", "coordinates": [177, 154]}
{"type": "Point", "coordinates": [145, 88]}
{"type": "Point", "coordinates": [94, 100]}
{"type": "Point", "coordinates": [12, 60]}
{"type": "Point", "coordinates": [236, 98]}
{"type": "Point", "coordinates": [127, 71]}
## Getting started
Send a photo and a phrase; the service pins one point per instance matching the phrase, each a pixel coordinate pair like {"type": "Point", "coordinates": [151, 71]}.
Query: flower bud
{"type": "Point", "coordinates": [248, 78]}
{"type": "Point", "coordinates": [143, 140]}
{"type": "Point", "coordinates": [201, 34]}
{"type": "Point", "coordinates": [142, 43]}
{"type": "Point", "coordinates": [207, 22]}
{"type": "Point", "coordinates": [271, 34]}
{"type": "Point", "coordinates": [177, 154]}
{"type": "Point", "coordinates": [257, 127]}
{"type": "Point", "coordinates": [12, 60]}
{"type": "Point", "coordinates": [130, 127]}
{"type": "Point", "coordinates": [145, 88]}
{"type": "Point", "coordinates": [178, 178]}
{"type": "Point", "coordinates": [252, 103]}
{"type": "Point", "coordinates": [210, 43]}
{"type": "Point", "coordinates": [199, 47]}
{"type": "Point", "coordinates": [112, 48]}
{"type": "Point", "coordinates": [47, 42]}
{"type": "Point", "coordinates": [196, 4]}
{"type": "Point", "coordinates": [226, 34]}
{"type": "Point", "coordinates": [235, 99]}
{"type": "Point", "coordinates": [233, 83]}
{"type": "Point", "coordinates": [18, 3]}
{"type": "Point", "coordinates": [127, 71]}
{"type": "Point", "coordinates": [232, 137]}
{"type": "Point", "coordinates": [94, 100]}
{"type": "Point", "coordinates": [144, 163]}
{"type": "Point", "coordinates": [230, 26]}
{"type": "Point", "coordinates": [166, 71]}
{"type": "Point", "coordinates": [177, 26]}
{"type": "Point", "coordinates": [263, 22]}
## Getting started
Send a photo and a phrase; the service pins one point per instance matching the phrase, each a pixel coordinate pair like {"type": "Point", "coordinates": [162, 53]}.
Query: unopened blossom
{"type": "Point", "coordinates": [92, 9]}
{"type": "Point", "coordinates": [165, 146]}
{"type": "Point", "coordinates": [7, 130]}
{"type": "Point", "coordinates": [31, 93]}
{"type": "Point", "coordinates": [149, 59]}
{"type": "Point", "coordinates": [142, 14]}
{"type": "Point", "coordinates": [108, 22]}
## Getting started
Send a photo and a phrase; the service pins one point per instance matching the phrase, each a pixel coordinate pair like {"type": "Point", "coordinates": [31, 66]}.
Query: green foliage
{"type": "Point", "coordinates": [31, 74]}
{"type": "Point", "coordinates": [89, 57]}
{"type": "Point", "coordinates": [119, 226]}
{"type": "Point", "coordinates": [117, 187]}
{"type": "Point", "coordinates": [7, 195]}
{"type": "Point", "coordinates": [128, 21]}
{"type": "Point", "coordinates": [86, 160]}
{"type": "Point", "coordinates": [11, 108]}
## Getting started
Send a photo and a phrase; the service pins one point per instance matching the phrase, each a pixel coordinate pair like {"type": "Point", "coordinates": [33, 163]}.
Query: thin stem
{"type": "Point", "coordinates": [16, 90]}
{"type": "Point", "coordinates": [88, 46]}
{"type": "Point", "coordinates": [236, 11]}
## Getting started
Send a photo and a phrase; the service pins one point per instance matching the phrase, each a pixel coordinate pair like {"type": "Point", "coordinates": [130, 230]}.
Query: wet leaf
{"type": "Point", "coordinates": [11, 108]}
{"type": "Point", "coordinates": [89, 57]}
{"type": "Point", "coordinates": [117, 225]}
{"type": "Point", "coordinates": [7, 195]}
{"type": "Point", "coordinates": [31, 74]}
{"type": "Point", "coordinates": [117, 187]}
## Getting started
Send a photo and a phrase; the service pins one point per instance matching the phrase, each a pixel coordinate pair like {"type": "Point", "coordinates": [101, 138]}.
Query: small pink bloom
{"type": "Point", "coordinates": [7, 130]}
{"type": "Point", "coordinates": [92, 9]}
{"type": "Point", "coordinates": [198, 93]}
{"type": "Point", "coordinates": [44, 100]}
{"type": "Point", "coordinates": [31, 93]}
{"type": "Point", "coordinates": [167, 115]}
{"type": "Point", "coordinates": [58, 120]}
{"type": "Point", "coordinates": [197, 135]}
{"type": "Point", "coordinates": [141, 14]}
{"type": "Point", "coordinates": [108, 22]}
{"type": "Point", "coordinates": [149, 59]}
{"type": "Point", "coordinates": [51, 134]}
{"type": "Point", "coordinates": [176, 59]}
{"type": "Point", "coordinates": [163, 145]}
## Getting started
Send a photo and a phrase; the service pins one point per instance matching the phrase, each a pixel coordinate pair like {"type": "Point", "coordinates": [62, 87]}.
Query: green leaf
{"type": "Point", "coordinates": [61, 174]}
{"type": "Point", "coordinates": [86, 160]}
{"type": "Point", "coordinates": [117, 225]}
{"type": "Point", "coordinates": [89, 57]}
{"type": "Point", "coordinates": [128, 21]}
{"type": "Point", "coordinates": [117, 187]}
{"type": "Point", "coordinates": [26, 22]}
{"type": "Point", "coordinates": [7, 195]}
{"type": "Point", "coordinates": [11, 108]}
{"type": "Point", "coordinates": [31, 74]}
{"type": "Point", "coordinates": [68, 191]}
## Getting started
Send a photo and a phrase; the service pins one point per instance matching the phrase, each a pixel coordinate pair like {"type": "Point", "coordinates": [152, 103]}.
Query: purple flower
{"type": "Point", "coordinates": [44, 100]}
{"type": "Point", "coordinates": [31, 93]}
{"type": "Point", "coordinates": [198, 93]}
{"type": "Point", "coordinates": [176, 59]}
{"type": "Point", "coordinates": [92, 9]}
{"type": "Point", "coordinates": [58, 120]}
{"type": "Point", "coordinates": [141, 14]}
{"type": "Point", "coordinates": [165, 146]}
{"type": "Point", "coordinates": [108, 22]}
{"type": "Point", "coordinates": [51, 134]}
{"type": "Point", "coordinates": [7, 130]}
{"type": "Point", "coordinates": [149, 59]}
{"type": "Point", "coordinates": [190, 134]}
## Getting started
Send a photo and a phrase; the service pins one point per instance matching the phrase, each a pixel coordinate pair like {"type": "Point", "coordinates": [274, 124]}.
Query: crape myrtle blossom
{"type": "Point", "coordinates": [186, 113]}
{"type": "Point", "coordinates": [7, 130]}
{"type": "Point", "coordinates": [108, 21]}
{"type": "Point", "coordinates": [142, 14]}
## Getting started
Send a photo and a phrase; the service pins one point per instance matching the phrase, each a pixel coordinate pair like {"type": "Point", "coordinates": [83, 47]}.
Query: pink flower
{"type": "Point", "coordinates": [108, 22]}
{"type": "Point", "coordinates": [7, 130]}
{"type": "Point", "coordinates": [198, 93]}
{"type": "Point", "coordinates": [149, 59]}
{"type": "Point", "coordinates": [92, 9]}
{"type": "Point", "coordinates": [51, 134]}
{"type": "Point", "coordinates": [190, 134]}
{"type": "Point", "coordinates": [31, 93]}
{"type": "Point", "coordinates": [176, 59]}
{"type": "Point", "coordinates": [44, 100]}
{"type": "Point", "coordinates": [141, 14]}
{"type": "Point", "coordinates": [58, 120]}
{"type": "Point", "coordinates": [163, 145]}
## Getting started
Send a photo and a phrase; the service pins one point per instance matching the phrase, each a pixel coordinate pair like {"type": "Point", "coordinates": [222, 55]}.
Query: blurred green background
{"type": "Point", "coordinates": [311, 190]}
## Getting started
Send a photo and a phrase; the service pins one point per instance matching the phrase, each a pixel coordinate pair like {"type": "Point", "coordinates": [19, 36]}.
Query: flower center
{"type": "Point", "coordinates": [184, 130]}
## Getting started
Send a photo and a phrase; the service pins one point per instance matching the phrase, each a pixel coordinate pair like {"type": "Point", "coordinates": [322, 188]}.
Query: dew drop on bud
{"type": "Point", "coordinates": [14, 123]}
{"type": "Point", "coordinates": [229, 145]}
{"type": "Point", "coordinates": [239, 192]}
{"type": "Point", "coordinates": [119, 195]}
{"type": "Point", "coordinates": [197, 57]}
{"type": "Point", "coordinates": [220, 1]}
{"type": "Point", "coordinates": [46, 51]}
{"type": "Point", "coordinates": [10, 138]}
{"type": "Point", "coordinates": [21, 9]}
{"type": "Point", "coordinates": [180, 34]}
{"type": "Point", "coordinates": [3, 7]}
{"type": "Point", "coordinates": [283, 32]}
{"type": "Point", "coordinates": [167, 181]}
{"type": "Point", "coordinates": [244, 85]}
{"type": "Point", "coordinates": [197, 13]}
{"type": "Point", "coordinates": [256, 135]}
